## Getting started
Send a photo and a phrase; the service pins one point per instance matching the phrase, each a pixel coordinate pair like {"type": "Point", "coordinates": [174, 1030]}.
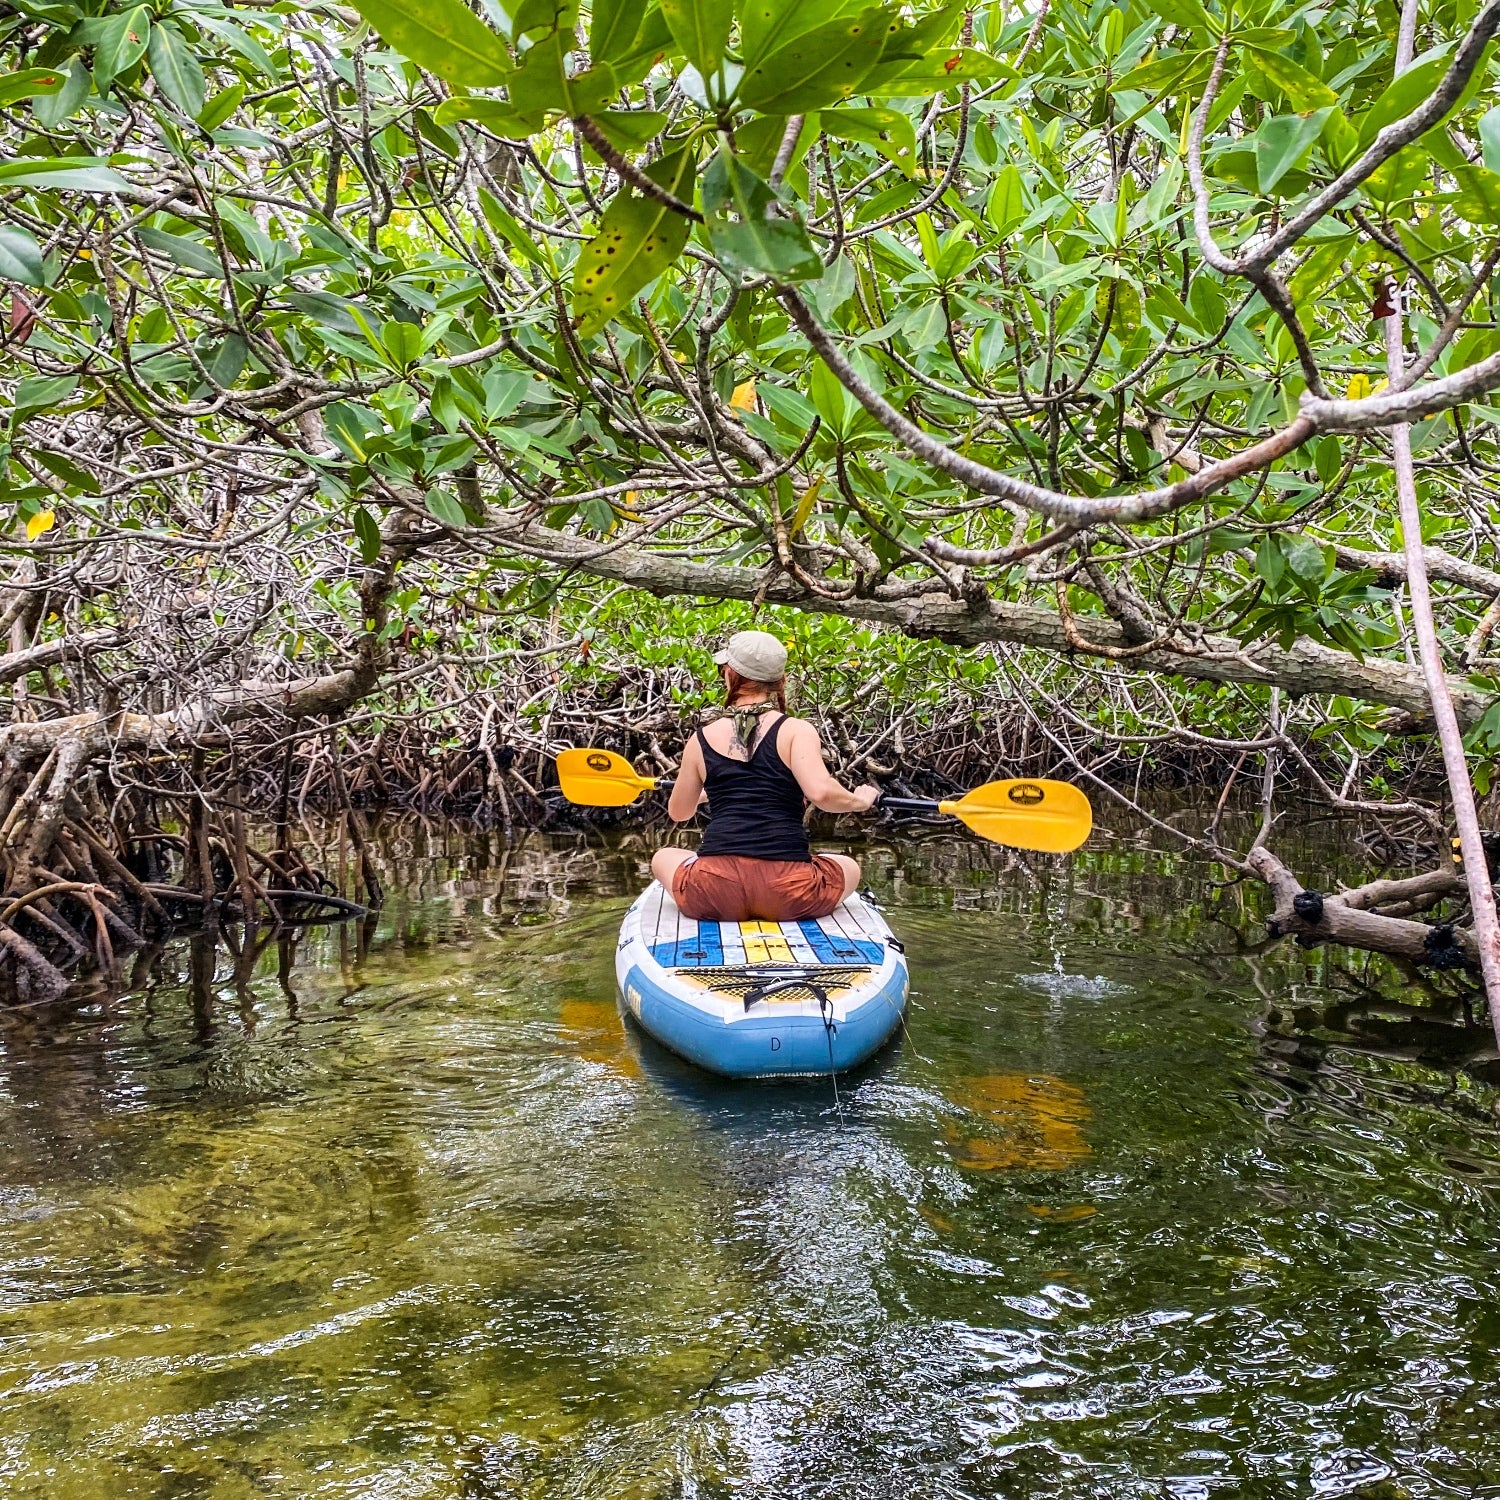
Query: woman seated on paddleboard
{"type": "Point", "coordinates": [760, 768]}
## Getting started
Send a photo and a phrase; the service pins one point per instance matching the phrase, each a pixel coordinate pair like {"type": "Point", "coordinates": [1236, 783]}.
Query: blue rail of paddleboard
{"type": "Point", "coordinates": [763, 1045]}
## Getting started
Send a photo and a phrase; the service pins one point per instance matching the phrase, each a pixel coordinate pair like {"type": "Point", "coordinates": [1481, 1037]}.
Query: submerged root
{"type": "Point", "coordinates": [88, 873]}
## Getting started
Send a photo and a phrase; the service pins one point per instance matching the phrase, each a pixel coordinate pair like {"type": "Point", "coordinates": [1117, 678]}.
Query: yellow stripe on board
{"type": "Point", "coordinates": [765, 943]}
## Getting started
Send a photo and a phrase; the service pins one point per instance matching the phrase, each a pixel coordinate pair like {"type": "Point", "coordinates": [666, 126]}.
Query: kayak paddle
{"type": "Point", "coordinates": [1051, 817]}
{"type": "Point", "coordinates": [599, 778]}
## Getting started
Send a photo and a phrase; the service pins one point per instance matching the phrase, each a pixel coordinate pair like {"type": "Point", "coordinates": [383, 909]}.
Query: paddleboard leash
{"type": "Point", "coordinates": [830, 1030]}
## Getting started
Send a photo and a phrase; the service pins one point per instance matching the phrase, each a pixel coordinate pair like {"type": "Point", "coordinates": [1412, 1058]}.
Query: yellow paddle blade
{"type": "Point", "coordinates": [599, 778]}
{"type": "Point", "coordinates": [1052, 817]}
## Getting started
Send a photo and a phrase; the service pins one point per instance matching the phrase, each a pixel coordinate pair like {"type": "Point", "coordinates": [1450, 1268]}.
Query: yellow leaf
{"type": "Point", "coordinates": [1358, 388]}
{"type": "Point", "coordinates": [805, 506]}
{"type": "Point", "coordinates": [627, 506]}
{"type": "Point", "coordinates": [42, 521]}
{"type": "Point", "coordinates": [743, 398]}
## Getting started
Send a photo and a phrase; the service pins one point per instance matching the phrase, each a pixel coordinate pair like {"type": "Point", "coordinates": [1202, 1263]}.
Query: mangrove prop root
{"type": "Point", "coordinates": [87, 873]}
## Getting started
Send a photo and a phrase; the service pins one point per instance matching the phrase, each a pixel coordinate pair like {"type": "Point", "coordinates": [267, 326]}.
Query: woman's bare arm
{"type": "Point", "coordinates": [802, 751]}
{"type": "Point", "coordinates": [688, 790]}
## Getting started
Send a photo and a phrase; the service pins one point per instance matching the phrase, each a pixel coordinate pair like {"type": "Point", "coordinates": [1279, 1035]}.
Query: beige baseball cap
{"type": "Point", "coordinates": [754, 654]}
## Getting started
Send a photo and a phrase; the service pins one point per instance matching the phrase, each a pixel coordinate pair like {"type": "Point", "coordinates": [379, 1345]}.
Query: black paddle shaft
{"type": "Point", "coordinates": [908, 804]}
{"type": "Point", "coordinates": [885, 804]}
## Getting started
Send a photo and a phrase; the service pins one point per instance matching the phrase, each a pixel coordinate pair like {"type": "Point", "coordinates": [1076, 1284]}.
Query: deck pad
{"type": "Point", "coordinates": [841, 940]}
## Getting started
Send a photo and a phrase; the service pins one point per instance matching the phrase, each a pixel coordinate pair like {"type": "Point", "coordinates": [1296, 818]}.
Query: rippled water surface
{"type": "Point", "coordinates": [407, 1212]}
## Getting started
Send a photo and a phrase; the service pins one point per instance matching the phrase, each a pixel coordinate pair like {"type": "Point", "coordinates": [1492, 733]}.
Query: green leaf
{"type": "Point", "coordinates": [503, 222]}
{"type": "Point", "coordinates": [1489, 138]}
{"type": "Point", "coordinates": [31, 83]}
{"type": "Point", "coordinates": [701, 29]}
{"type": "Point", "coordinates": [20, 257]}
{"type": "Point", "coordinates": [1397, 178]}
{"type": "Point", "coordinates": [539, 19]}
{"type": "Point", "coordinates": [221, 106]}
{"type": "Point", "coordinates": [367, 533]}
{"type": "Point", "coordinates": [52, 108]}
{"type": "Point", "coordinates": [943, 70]}
{"type": "Point", "coordinates": [494, 114]}
{"type": "Point", "coordinates": [938, 29]}
{"type": "Point", "coordinates": [42, 393]}
{"type": "Point", "coordinates": [766, 25]}
{"type": "Point", "coordinates": [238, 39]}
{"type": "Point", "coordinates": [85, 174]}
{"type": "Point", "coordinates": [543, 83]}
{"type": "Point", "coordinates": [1478, 195]}
{"type": "Point", "coordinates": [403, 342]}
{"type": "Point", "coordinates": [891, 133]}
{"type": "Point", "coordinates": [443, 508]}
{"type": "Point", "coordinates": [630, 129]}
{"type": "Point", "coordinates": [190, 254]}
{"type": "Point", "coordinates": [75, 476]}
{"type": "Point", "coordinates": [227, 362]}
{"type": "Point", "coordinates": [1161, 74]}
{"type": "Point", "coordinates": [444, 36]}
{"type": "Point", "coordinates": [1323, 266]}
{"type": "Point", "coordinates": [122, 43]}
{"type": "Point", "coordinates": [175, 69]}
{"type": "Point", "coordinates": [1327, 458]}
{"type": "Point", "coordinates": [1301, 89]}
{"type": "Point", "coordinates": [1007, 201]}
{"type": "Point", "coordinates": [652, 41]}
{"type": "Point", "coordinates": [779, 247]}
{"type": "Point", "coordinates": [1270, 561]}
{"type": "Point", "coordinates": [1307, 562]}
{"type": "Point", "coordinates": [638, 239]}
{"type": "Point", "coordinates": [761, 239]}
{"type": "Point", "coordinates": [1206, 298]}
{"type": "Point", "coordinates": [1183, 13]}
{"type": "Point", "coordinates": [612, 28]}
{"type": "Point", "coordinates": [830, 400]}
{"type": "Point", "coordinates": [1284, 142]}
{"type": "Point", "coordinates": [822, 67]}
{"type": "Point", "coordinates": [1405, 93]}
{"type": "Point", "coordinates": [353, 428]}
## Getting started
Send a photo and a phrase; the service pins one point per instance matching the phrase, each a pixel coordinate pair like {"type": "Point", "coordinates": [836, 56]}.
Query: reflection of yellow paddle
{"type": "Point", "coordinates": [1049, 816]}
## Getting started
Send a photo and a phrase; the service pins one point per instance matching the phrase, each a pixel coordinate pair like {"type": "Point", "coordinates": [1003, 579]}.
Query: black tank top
{"type": "Point", "coordinates": [754, 806]}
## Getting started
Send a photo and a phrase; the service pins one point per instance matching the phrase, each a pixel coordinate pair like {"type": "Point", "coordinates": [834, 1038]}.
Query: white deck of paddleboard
{"type": "Point", "coordinates": [853, 936]}
{"type": "Point", "coordinates": [848, 952]}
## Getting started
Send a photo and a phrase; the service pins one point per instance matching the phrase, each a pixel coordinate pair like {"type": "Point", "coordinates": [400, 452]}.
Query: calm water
{"type": "Point", "coordinates": [407, 1213]}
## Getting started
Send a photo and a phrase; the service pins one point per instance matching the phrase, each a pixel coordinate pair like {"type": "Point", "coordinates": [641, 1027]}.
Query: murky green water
{"type": "Point", "coordinates": [407, 1213]}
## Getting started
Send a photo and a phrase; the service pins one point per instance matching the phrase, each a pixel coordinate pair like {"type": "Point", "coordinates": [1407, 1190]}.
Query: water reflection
{"type": "Point", "coordinates": [406, 1210]}
{"type": "Point", "coordinates": [1031, 1123]}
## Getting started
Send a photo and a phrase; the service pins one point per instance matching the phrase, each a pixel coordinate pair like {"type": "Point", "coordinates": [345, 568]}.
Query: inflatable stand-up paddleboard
{"type": "Point", "coordinates": [763, 999]}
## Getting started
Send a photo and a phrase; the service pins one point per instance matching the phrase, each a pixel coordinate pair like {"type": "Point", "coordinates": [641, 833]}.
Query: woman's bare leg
{"type": "Point", "coordinates": [850, 868]}
{"type": "Point", "coordinates": [665, 864]}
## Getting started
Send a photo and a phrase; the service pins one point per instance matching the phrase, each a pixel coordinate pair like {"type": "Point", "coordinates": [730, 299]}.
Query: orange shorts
{"type": "Point", "coordinates": [732, 888]}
